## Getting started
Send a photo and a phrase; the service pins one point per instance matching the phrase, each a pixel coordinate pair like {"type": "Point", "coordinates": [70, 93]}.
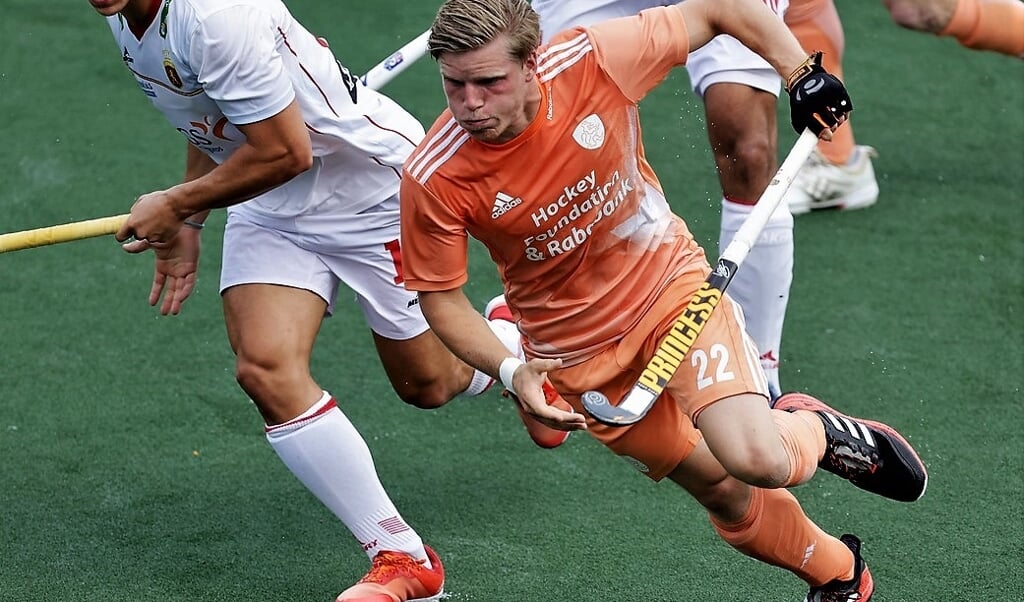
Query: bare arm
{"type": "Point", "coordinates": [818, 100]}
{"type": "Point", "coordinates": [465, 332]}
{"type": "Point", "coordinates": [749, 21]}
{"type": "Point", "coordinates": [275, 150]}
{"type": "Point", "coordinates": [454, 320]}
{"type": "Point", "coordinates": [197, 165]}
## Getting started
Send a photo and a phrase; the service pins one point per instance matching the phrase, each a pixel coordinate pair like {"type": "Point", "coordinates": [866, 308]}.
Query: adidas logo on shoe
{"type": "Point", "coordinates": [871, 455]}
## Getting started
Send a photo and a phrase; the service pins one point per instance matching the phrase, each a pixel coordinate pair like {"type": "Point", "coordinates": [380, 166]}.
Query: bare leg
{"type": "Point", "coordinates": [272, 330]}
{"type": "Point", "coordinates": [422, 370]}
{"type": "Point", "coordinates": [743, 134]}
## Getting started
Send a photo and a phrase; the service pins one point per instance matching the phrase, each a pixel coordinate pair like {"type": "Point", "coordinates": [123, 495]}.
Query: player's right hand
{"type": "Point", "coordinates": [528, 380]}
{"type": "Point", "coordinates": [817, 99]}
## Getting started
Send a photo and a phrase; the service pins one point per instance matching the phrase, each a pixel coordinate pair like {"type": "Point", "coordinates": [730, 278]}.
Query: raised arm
{"type": "Point", "coordinates": [818, 100]}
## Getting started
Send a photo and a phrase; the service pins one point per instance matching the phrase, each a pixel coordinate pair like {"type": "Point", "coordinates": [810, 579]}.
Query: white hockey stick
{"type": "Point", "coordinates": [400, 60]}
{"type": "Point", "coordinates": [674, 347]}
{"type": "Point", "coordinates": [379, 75]}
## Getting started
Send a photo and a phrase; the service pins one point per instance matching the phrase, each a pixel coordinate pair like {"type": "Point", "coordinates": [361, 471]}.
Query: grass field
{"type": "Point", "coordinates": [136, 470]}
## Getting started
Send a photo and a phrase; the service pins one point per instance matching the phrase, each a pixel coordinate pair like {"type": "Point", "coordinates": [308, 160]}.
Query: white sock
{"type": "Point", "coordinates": [761, 286]}
{"type": "Point", "coordinates": [509, 336]}
{"type": "Point", "coordinates": [326, 453]}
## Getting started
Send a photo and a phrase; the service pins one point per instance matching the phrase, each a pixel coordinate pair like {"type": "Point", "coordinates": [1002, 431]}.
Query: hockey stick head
{"type": "Point", "coordinates": [598, 406]}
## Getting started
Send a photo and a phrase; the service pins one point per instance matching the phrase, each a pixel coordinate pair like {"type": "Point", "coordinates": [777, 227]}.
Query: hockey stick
{"type": "Point", "coordinates": [690, 323]}
{"type": "Point", "coordinates": [399, 60]}
{"type": "Point", "coordinates": [50, 235]}
{"type": "Point", "coordinates": [379, 75]}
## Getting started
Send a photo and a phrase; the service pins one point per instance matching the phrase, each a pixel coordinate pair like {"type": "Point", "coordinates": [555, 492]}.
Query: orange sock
{"type": "Point", "coordinates": [775, 530]}
{"type": "Point", "coordinates": [988, 25]}
{"type": "Point", "coordinates": [815, 23]}
{"type": "Point", "coordinates": [803, 436]}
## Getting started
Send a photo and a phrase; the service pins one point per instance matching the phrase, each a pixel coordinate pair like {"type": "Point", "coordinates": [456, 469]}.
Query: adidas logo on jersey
{"type": "Point", "coordinates": [504, 203]}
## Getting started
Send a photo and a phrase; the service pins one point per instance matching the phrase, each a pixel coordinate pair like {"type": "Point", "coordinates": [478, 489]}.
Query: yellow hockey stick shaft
{"type": "Point", "coordinates": [50, 235]}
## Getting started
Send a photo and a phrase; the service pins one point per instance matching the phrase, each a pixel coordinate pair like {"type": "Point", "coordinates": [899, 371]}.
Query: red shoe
{"type": "Point", "coordinates": [544, 436]}
{"type": "Point", "coordinates": [497, 309]}
{"type": "Point", "coordinates": [871, 455]}
{"type": "Point", "coordinates": [398, 577]}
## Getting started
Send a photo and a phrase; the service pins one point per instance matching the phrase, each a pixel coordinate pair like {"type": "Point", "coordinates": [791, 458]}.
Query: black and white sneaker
{"type": "Point", "coordinates": [858, 589]}
{"type": "Point", "coordinates": [871, 455]}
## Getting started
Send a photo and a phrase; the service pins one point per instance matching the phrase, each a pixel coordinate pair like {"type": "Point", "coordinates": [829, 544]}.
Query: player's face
{"type": "Point", "coordinates": [493, 96]}
{"type": "Point", "coordinates": [108, 8]}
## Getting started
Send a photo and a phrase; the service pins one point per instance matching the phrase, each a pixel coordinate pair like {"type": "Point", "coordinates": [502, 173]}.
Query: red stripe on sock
{"type": "Point", "coordinates": [733, 199]}
{"type": "Point", "coordinates": [327, 407]}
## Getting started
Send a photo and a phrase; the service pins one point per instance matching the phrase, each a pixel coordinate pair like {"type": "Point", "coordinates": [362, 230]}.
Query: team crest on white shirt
{"type": "Point", "coordinates": [172, 73]}
{"type": "Point", "coordinates": [590, 132]}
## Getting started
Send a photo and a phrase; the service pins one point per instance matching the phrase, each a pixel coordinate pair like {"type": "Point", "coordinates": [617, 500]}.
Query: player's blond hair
{"type": "Point", "coordinates": [463, 25]}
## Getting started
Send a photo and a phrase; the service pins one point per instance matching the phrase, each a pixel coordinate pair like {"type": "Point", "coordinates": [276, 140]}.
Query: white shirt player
{"type": "Point", "coordinates": [210, 64]}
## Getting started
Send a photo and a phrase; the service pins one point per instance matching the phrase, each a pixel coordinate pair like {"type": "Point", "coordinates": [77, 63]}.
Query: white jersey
{"type": "Point", "coordinates": [209, 65]}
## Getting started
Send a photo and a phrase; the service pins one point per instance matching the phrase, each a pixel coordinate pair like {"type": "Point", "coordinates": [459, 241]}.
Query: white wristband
{"type": "Point", "coordinates": [507, 369]}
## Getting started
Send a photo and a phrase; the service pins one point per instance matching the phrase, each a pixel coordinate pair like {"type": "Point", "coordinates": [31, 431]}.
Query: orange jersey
{"type": "Point", "coordinates": [570, 210]}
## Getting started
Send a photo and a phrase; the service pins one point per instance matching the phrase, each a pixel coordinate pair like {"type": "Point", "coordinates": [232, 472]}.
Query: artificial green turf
{"type": "Point", "coordinates": [136, 470]}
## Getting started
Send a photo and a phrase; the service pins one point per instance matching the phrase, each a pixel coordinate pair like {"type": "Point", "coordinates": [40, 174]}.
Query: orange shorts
{"type": "Point", "coordinates": [722, 362]}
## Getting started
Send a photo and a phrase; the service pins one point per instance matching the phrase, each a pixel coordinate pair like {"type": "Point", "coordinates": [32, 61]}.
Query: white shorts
{"type": "Point", "coordinates": [318, 252]}
{"type": "Point", "coordinates": [723, 60]}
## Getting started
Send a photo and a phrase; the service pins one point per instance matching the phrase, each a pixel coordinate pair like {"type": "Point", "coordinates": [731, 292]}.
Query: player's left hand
{"type": "Point", "coordinates": [817, 99]}
{"type": "Point", "coordinates": [174, 270]}
{"type": "Point", "coordinates": [152, 219]}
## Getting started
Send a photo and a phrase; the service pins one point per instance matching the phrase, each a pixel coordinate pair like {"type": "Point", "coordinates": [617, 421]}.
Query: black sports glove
{"type": "Point", "coordinates": [817, 99]}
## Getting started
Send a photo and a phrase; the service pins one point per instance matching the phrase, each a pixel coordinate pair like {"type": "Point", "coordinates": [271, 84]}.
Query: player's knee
{"type": "Point", "coordinates": [918, 16]}
{"type": "Point", "coordinates": [280, 391]}
{"type": "Point", "coordinates": [749, 164]}
{"type": "Point", "coordinates": [756, 151]}
{"type": "Point", "coordinates": [426, 394]}
{"type": "Point", "coordinates": [255, 378]}
{"type": "Point", "coordinates": [767, 468]}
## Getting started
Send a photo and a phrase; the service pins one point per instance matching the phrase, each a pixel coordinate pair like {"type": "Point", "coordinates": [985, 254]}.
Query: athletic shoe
{"type": "Point", "coordinates": [821, 184]}
{"type": "Point", "coordinates": [858, 589]}
{"type": "Point", "coordinates": [398, 577]}
{"type": "Point", "coordinates": [871, 455]}
{"type": "Point", "coordinates": [543, 435]}
{"type": "Point", "coordinates": [498, 309]}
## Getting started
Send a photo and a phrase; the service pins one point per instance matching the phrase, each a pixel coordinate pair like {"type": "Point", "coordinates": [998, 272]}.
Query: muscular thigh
{"type": "Point", "coordinates": [414, 363]}
{"type": "Point", "coordinates": [723, 362]}
{"type": "Point", "coordinates": [272, 325]}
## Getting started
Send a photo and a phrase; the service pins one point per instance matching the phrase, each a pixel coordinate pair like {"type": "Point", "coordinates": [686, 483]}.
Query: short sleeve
{"type": "Point", "coordinates": [638, 52]}
{"type": "Point", "coordinates": [435, 244]}
{"type": "Point", "coordinates": [234, 55]}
